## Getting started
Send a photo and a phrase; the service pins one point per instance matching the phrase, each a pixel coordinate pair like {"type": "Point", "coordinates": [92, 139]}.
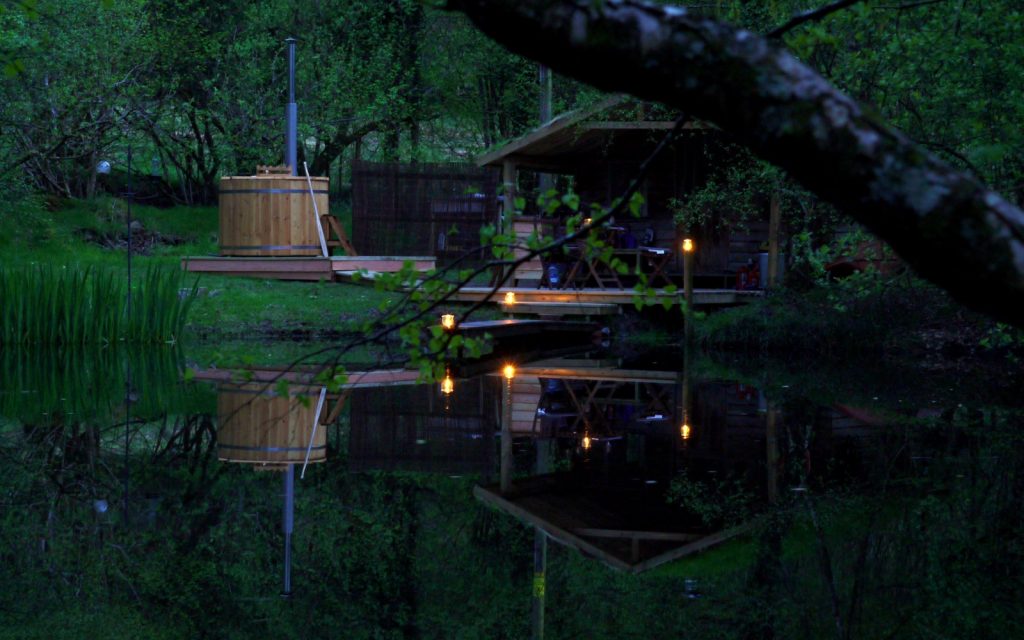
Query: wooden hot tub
{"type": "Point", "coordinates": [260, 427]}
{"type": "Point", "coordinates": [270, 215]}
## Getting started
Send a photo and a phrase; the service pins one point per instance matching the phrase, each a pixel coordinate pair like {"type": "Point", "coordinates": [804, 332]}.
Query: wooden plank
{"type": "Point", "coordinates": [561, 309]}
{"type": "Point", "coordinates": [379, 264]}
{"type": "Point", "coordinates": [356, 379]}
{"type": "Point", "coordinates": [601, 296]}
{"type": "Point", "coordinates": [604, 373]}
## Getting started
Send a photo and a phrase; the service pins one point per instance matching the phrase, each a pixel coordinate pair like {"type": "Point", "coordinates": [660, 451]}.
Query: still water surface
{"type": "Point", "coordinates": [595, 496]}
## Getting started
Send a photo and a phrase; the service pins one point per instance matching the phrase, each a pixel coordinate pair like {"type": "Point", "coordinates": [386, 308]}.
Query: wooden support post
{"type": "Point", "coordinates": [772, 454]}
{"type": "Point", "coordinates": [774, 221]}
{"type": "Point", "coordinates": [506, 437]}
{"type": "Point", "coordinates": [507, 226]}
{"type": "Point", "coordinates": [508, 170]}
{"type": "Point", "coordinates": [546, 180]}
{"type": "Point", "coordinates": [686, 400]}
{"type": "Point", "coordinates": [540, 570]}
{"type": "Point", "coordinates": [688, 267]}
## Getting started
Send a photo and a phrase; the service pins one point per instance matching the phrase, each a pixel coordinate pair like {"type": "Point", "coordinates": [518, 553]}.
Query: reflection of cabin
{"type": "Point", "coordinates": [419, 428]}
{"type": "Point", "coordinates": [601, 149]}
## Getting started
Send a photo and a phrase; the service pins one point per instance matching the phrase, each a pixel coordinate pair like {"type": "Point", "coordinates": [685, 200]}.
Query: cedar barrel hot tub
{"type": "Point", "coordinates": [262, 428]}
{"type": "Point", "coordinates": [270, 214]}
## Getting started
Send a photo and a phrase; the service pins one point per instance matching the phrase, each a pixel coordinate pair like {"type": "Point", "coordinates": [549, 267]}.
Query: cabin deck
{"type": "Point", "coordinates": [313, 268]}
{"type": "Point", "coordinates": [589, 302]}
{"type": "Point", "coordinates": [595, 297]}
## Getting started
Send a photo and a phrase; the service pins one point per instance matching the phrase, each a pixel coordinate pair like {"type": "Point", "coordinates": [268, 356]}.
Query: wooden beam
{"type": "Point", "coordinates": [774, 221]}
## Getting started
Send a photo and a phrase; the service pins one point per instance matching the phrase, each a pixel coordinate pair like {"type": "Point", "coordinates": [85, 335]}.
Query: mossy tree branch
{"type": "Point", "coordinates": [945, 223]}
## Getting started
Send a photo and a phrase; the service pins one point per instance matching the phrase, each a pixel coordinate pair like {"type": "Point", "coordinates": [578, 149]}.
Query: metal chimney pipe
{"type": "Point", "coordinates": [291, 114]}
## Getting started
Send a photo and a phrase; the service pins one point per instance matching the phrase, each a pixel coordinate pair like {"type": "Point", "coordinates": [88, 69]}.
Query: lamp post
{"type": "Point", "coordinates": [509, 373]}
{"type": "Point", "coordinates": [689, 249]}
{"type": "Point", "coordinates": [104, 168]}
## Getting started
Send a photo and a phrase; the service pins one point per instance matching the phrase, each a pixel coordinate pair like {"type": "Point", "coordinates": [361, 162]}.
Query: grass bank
{"type": "Point", "coordinates": [92, 234]}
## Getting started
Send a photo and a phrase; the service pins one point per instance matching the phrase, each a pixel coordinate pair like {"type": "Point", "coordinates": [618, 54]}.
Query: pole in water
{"type": "Point", "coordinates": [291, 113]}
{"type": "Point", "coordinates": [540, 565]}
{"type": "Point", "coordinates": [288, 525]}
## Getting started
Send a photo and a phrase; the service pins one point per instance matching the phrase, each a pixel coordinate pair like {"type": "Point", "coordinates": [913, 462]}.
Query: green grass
{"type": "Point", "coordinates": [47, 231]}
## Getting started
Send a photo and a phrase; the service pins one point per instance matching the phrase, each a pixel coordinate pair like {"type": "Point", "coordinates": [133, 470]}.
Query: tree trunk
{"type": "Point", "coordinates": [947, 225]}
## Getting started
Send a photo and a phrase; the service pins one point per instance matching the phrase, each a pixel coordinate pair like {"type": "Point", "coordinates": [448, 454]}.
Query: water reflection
{"type": "Point", "coordinates": [490, 507]}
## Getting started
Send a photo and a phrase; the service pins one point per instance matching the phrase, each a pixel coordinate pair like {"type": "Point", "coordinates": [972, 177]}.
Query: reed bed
{"type": "Point", "coordinates": [43, 385]}
{"type": "Point", "coordinates": [45, 305]}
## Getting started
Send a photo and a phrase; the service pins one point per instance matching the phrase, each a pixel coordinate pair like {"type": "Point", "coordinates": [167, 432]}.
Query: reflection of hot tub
{"type": "Point", "coordinates": [260, 427]}
{"type": "Point", "coordinates": [270, 215]}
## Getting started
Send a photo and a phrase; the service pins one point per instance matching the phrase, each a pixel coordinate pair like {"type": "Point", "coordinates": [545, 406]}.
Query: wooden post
{"type": "Point", "coordinates": [688, 267]}
{"type": "Point", "coordinates": [508, 168]}
{"type": "Point", "coordinates": [772, 454]}
{"type": "Point", "coordinates": [506, 437]}
{"type": "Point", "coordinates": [774, 220]}
{"type": "Point", "coordinates": [686, 401]}
{"type": "Point", "coordinates": [545, 179]}
{"type": "Point", "coordinates": [540, 564]}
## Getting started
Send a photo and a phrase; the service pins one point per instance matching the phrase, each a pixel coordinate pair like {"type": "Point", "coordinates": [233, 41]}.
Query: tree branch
{"type": "Point", "coordinates": [946, 224]}
{"type": "Point", "coordinates": [809, 16]}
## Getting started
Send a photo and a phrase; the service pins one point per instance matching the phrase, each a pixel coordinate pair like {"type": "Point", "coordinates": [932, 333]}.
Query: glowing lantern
{"type": "Point", "coordinates": [448, 321]}
{"type": "Point", "coordinates": [509, 371]}
{"type": "Point", "coordinates": [587, 442]}
{"type": "Point", "coordinates": [447, 385]}
{"type": "Point", "coordinates": [688, 245]}
{"type": "Point", "coordinates": [510, 297]}
{"type": "Point", "coordinates": [684, 431]}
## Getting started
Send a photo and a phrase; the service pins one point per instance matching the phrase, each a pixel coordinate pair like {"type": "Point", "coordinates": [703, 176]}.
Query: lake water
{"type": "Point", "coordinates": [598, 495]}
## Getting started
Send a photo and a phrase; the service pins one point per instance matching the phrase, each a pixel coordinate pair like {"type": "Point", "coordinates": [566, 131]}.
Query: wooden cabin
{"type": "Point", "coordinates": [597, 152]}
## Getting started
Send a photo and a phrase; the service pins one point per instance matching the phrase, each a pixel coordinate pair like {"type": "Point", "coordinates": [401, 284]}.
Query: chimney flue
{"type": "Point", "coordinates": [291, 113]}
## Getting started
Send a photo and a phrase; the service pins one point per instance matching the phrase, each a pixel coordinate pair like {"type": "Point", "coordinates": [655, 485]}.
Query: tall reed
{"type": "Point", "coordinates": [78, 306]}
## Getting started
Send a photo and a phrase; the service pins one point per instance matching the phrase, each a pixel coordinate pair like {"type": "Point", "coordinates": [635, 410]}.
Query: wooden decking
{"type": "Point", "coordinates": [590, 302]}
{"type": "Point", "coordinates": [313, 268]}
{"type": "Point", "coordinates": [620, 297]}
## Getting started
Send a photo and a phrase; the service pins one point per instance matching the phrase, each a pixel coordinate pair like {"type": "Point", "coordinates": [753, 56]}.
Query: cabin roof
{"type": "Point", "coordinates": [560, 144]}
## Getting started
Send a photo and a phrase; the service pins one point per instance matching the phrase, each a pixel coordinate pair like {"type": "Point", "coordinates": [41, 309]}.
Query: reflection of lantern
{"type": "Point", "coordinates": [266, 429]}
{"type": "Point", "coordinates": [447, 385]}
{"type": "Point", "coordinates": [688, 245]}
{"type": "Point", "coordinates": [448, 321]}
{"type": "Point", "coordinates": [510, 297]}
{"type": "Point", "coordinates": [509, 371]}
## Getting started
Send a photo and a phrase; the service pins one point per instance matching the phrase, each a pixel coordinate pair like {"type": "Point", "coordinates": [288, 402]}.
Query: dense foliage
{"type": "Point", "coordinates": [198, 88]}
